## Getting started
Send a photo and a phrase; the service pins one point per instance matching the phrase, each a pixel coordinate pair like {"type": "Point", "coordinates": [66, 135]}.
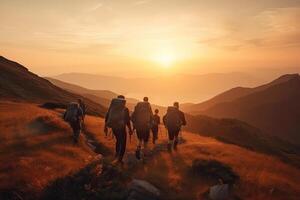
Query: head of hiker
{"type": "Point", "coordinates": [145, 99]}
{"type": "Point", "coordinates": [79, 101]}
{"type": "Point", "coordinates": [176, 105]}
{"type": "Point", "coordinates": [121, 97]}
{"type": "Point", "coordinates": [156, 111]}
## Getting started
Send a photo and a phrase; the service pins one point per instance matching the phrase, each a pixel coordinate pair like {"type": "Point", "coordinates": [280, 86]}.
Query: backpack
{"type": "Point", "coordinates": [172, 118]}
{"type": "Point", "coordinates": [71, 114]}
{"type": "Point", "coordinates": [116, 113]}
{"type": "Point", "coordinates": [142, 115]}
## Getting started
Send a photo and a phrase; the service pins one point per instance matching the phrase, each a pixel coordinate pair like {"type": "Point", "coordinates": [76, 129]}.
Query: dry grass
{"type": "Point", "coordinates": [37, 149]}
{"type": "Point", "coordinates": [261, 176]}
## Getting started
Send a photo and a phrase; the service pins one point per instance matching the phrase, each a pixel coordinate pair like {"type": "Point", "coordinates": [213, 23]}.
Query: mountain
{"type": "Point", "coordinates": [274, 107]}
{"type": "Point", "coordinates": [19, 84]}
{"type": "Point", "coordinates": [100, 96]}
{"type": "Point", "coordinates": [240, 133]}
{"type": "Point", "coordinates": [164, 89]}
{"type": "Point", "coordinates": [233, 94]}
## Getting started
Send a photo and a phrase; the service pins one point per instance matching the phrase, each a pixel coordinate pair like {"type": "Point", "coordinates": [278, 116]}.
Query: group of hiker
{"type": "Point", "coordinates": [142, 121]}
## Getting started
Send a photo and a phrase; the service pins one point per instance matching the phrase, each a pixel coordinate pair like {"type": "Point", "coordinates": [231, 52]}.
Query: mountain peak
{"type": "Point", "coordinates": [286, 77]}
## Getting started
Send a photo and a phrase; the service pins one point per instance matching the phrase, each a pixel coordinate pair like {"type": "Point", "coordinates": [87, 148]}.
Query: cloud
{"type": "Point", "coordinates": [96, 7]}
{"type": "Point", "coordinates": [141, 2]}
{"type": "Point", "coordinates": [272, 28]}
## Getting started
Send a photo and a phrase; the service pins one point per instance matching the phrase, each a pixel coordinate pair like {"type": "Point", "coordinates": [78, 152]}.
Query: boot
{"type": "Point", "coordinates": [175, 145]}
{"type": "Point", "coordinates": [170, 147]}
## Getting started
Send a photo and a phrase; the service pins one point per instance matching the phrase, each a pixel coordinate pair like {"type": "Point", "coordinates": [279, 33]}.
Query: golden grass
{"type": "Point", "coordinates": [262, 176]}
{"type": "Point", "coordinates": [37, 148]}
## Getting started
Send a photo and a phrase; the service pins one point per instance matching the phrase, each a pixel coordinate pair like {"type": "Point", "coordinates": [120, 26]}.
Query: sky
{"type": "Point", "coordinates": [136, 38]}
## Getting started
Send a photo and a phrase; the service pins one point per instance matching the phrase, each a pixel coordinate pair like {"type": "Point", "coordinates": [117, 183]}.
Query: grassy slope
{"type": "Point", "coordinates": [37, 149]}
{"type": "Point", "coordinates": [19, 84]}
{"type": "Point", "coordinates": [259, 172]}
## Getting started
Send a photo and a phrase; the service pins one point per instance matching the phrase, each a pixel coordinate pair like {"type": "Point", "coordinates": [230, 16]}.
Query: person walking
{"type": "Point", "coordinates": [155, 126]}
{"type": "Point", "coordinates": [117, 118]}
{"type": "Point", "coordinates": [174, 120]}
{"type": "Point", "coordinates": [73, 115]}
{"type": "Point", "coordinates": [142, 119]}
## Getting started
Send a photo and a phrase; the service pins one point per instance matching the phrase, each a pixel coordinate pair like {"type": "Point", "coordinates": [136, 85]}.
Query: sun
{"type": "Point", "coordinates": [165, 60]}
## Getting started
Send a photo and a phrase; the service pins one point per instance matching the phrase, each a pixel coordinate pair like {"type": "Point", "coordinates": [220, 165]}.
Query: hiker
{"type": "Point", "coordinates": [83, 108]}
{"type": "Point", "coordinates": [155, 126]}
{"type": "Point", "coordinates": [73, 116]}
{"type": "Point", "coordinates": [142, 119]}
{"type": "Point", "coordinates": [117, 118]}
{"type": "Point", "coordinates": [174, 120]}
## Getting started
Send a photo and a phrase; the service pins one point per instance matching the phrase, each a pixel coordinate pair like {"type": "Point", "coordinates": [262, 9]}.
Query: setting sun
{"type": "Point", "coordinates": [165, 60]}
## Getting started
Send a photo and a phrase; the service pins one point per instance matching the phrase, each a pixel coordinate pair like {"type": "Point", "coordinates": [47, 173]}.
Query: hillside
{"type": "Point", "coordinates": [240, 133]}
{"type": "Point", "coordinates": [19, 84]}
{"type": "Point", "coordinates": [274, 109]}
{"type": "Point", "coordinates": [234, 94]}
{"type": "Point", "coordinates": [45, 163]}
{"type": "Point", "coordinates": [36, 148]}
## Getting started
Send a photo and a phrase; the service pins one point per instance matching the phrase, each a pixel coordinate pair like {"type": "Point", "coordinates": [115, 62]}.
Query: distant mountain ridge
{"type": "Point", "coordinates": [164, 90]}
{"type": "Point", "coordinates": [235, 93]}
{"type": "Point", "coordinates": [273, 107]}
{"type": "Point", "coordinates": [19, 84]}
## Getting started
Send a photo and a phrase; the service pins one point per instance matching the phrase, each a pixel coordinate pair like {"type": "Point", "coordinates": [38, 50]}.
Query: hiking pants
{"type": "Point", "coordinates": [155, 132]}
{"type": "Point", "coordinates": [121, 135]}
{"type": "Point", "coordinates": [143, 134]}
{"type": "Point", "coordinates": [76, 126]}
{"type": "Point", "coordinates": [173, 132]}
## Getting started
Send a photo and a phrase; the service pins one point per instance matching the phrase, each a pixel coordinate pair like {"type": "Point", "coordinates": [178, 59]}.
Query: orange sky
{"type": "Point", "coordinates": [142, 37]}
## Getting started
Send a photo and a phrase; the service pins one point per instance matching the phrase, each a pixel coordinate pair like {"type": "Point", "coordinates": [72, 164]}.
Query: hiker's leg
{"type": "Point", "coordinates": [171, 138]}
{"type": "Point", "coordinates": [146, 136]}
{"type": "Point", "coordinates": [76, 131]}
{"type": "Point", "coordinates": [117, 147]}
{"type": "Point", "coordinates": [123, 138]}
{"type": "Point", "coordinates": [155, 134]}
{"type": "Point", "coordinates": [139, 145]}
{"type": "Point", "coordinates": [176, 135]}
{"type": "Point", "coordinates": [140, 138]}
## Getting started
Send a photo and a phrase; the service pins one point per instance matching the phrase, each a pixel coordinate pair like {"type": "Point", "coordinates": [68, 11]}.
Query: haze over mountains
{"type": "Point", "coordinates": [165, 89]}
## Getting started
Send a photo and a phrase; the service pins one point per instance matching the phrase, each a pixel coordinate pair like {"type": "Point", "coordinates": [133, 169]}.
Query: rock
{"type": "Point", "coordinates": [99, 157]}
{"type": "Point", "coordinates": [142, 190]}
{"type": "Point", "coordinates": [219, 192]}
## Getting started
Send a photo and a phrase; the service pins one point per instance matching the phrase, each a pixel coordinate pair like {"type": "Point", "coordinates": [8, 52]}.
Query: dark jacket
{"type": "Point", "coordinates": [126, 117]}
{"type": "Point", "coordinates": [181, 116]}
{"type": "Point", "coordinates": [156, 120]}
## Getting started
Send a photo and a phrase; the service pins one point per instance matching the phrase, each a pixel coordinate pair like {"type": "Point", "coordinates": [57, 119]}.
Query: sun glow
{"type": "Point", "coordinates": [165, 60]}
